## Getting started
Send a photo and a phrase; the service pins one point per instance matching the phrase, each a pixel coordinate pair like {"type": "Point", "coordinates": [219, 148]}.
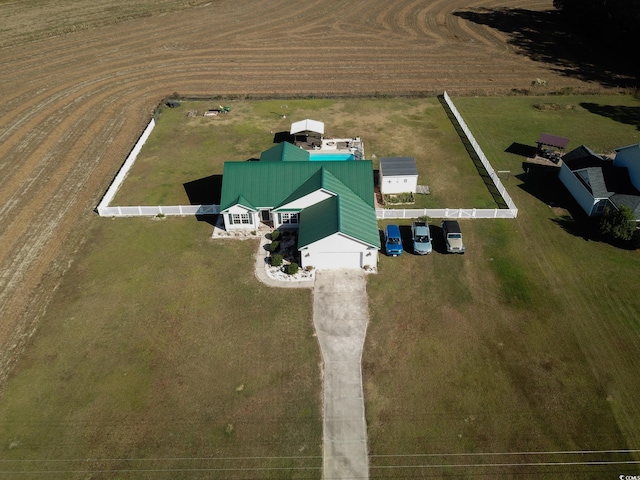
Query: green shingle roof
{"type": "Point", "coordinates": [285, 152]}
{"type": "Point", "coordinates": [268, 184]}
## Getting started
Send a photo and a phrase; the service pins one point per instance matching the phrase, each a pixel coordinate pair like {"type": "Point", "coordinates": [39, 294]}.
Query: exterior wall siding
{"type": "Point", "coordinates": [392, 185]}
{"type": "Point", "coordinates": [630, 157]}
{"type": "Point", "coordinates": [577, 189]}
{"type": "Point", "coordinates": [229, 225]}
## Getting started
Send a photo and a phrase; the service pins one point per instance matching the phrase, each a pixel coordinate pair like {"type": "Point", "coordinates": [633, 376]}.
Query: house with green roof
{"type": "Point", "coordinates": [330, 203]}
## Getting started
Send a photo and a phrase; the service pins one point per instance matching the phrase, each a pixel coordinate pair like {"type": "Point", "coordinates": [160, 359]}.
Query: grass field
{"type": "Point", "coordinates": [161, 356]}
{"type": "Point", "coordinates": [83, 77]}
{"type": "Point", "coordinates": [529, 342]}
{"type": "Point", "coordinates": [161, 351]}
{"type": "Point", "coordinates": [183, 150]}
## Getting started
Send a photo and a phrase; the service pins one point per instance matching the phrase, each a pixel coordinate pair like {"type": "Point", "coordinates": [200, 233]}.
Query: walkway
{"type": "Point", "coordinates": [340, 318]}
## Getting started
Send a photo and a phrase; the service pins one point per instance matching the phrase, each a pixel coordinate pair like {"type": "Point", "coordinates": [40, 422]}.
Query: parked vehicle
{"type": "Point", "coordinates": [421, 238]}
{"type": "Point", "coordinates": [392, 240]}
{"type": "Point", "coordinates": [452, 236]}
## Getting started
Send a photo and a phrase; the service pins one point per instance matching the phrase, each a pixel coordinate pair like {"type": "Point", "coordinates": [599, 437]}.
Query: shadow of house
{"type": "Point", "coordinates": [542, 36]}
{"type": "Point", "coordinates": [522, 150]}
{"type": "Point", "coordinates": [280, 137]}
{"type": "Point", "coordinates": [204, 191]}
{"type": "Point", "coordinates": [545, 185]}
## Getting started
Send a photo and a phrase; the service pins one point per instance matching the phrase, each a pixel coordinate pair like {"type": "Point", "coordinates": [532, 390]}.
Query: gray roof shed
{"type": "Point", "coordinates": [398, 166]}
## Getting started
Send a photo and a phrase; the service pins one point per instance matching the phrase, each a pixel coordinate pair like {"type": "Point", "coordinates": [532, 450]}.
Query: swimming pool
{"type": "Point", "coordinates": [331, 157]}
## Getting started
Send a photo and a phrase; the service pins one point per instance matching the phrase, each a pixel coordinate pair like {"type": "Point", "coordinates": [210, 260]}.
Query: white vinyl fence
{"type": "Point", "coordinates": [105, 210]}
{"type": "Point", "coordinates": [150, 211]}
{"type": "Point", "coordinates": [511, 207]}
{"type": "Point", "coordinates": [445, 213]}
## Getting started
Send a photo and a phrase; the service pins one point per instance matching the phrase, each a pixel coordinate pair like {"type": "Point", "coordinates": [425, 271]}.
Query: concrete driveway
{"type": "Point", "coordinates": [340, 317]}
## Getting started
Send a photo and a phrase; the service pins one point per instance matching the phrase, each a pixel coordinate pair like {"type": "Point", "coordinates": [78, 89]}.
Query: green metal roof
{"type": "Point", "coordinates": [243, 201]}
{"type": "Point", "coordinates": [268, 184]}
{"type": "Point", "coordinates": [322, 179]}
{"type": "Point", "coordinates": [345, 213]}
{"type": "Point", "coordinates": [285, 152]}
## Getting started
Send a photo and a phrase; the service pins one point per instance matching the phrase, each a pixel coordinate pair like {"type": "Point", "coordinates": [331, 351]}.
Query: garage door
{"type": "Point", "coordinates": [337, 260]}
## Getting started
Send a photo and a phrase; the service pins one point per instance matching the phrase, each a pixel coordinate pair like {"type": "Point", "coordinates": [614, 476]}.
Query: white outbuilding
{"type": "Point", "coordinates": [398, 175]}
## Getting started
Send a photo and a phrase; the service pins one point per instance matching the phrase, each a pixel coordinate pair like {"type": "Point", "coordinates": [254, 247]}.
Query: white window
{"type": "Point", "coordinates": [240, 219]}
{"type": "Point", "coordinates": [289, 218]}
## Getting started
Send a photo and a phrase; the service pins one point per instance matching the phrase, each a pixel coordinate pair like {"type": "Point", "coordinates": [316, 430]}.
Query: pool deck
{"type": "Point", "coordinates": [333, 145]}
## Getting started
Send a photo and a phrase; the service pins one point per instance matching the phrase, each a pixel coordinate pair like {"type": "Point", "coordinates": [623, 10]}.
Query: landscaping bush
{"type": "Point", "coordinates": [276, 260]}
{"type": "Point", "coordinates": [274, 246]}
{"type": "Point", "coordinates": [618, 224]}
{"type": "Point", "coordinates": [292, 268]}
{"type": "Point", "coordinates": [398, 198]}
{"type": "Point", "coordinates": [275, 235]}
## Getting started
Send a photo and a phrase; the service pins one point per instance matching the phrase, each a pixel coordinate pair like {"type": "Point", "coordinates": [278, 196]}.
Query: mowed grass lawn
{"type": "Point", "coordinates": [183, 152]}
{"type": "Point", "coordinates": [161, 355]}
{"type": "Point", "coordinates": [530, 342]}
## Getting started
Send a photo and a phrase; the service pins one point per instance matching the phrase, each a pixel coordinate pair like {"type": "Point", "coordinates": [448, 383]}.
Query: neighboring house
{"type": "Point", "coordinates": [596, 181]}
{"type": "Point", "coordinates": [330, 203]}
{"type": "Point", "coordinates": [629, 157]}
{"type": "Point", "coordinates": [398, 175]}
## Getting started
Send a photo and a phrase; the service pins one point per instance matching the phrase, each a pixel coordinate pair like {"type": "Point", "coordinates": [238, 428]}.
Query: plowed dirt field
{"type": "Point", "coordinates": [73, 104]}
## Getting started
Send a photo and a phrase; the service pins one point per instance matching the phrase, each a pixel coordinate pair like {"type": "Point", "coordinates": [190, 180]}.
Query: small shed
{"type": "Point", "coordinates": [398, 175]}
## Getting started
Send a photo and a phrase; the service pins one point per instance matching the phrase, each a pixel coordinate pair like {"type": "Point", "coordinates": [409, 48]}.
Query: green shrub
{"type": "Point", "coordinates": [397, 198]}
{"type": "Point", "coordinates": [275, 235]}
{"type": "Point", "coordinates": [276, 260]}
{"type": "Point", "coordinates": [619, 223]}
{"type": "Point", "coordinates": [274, 246]}
{"type": "Point", "coordinates": [292, 268]}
